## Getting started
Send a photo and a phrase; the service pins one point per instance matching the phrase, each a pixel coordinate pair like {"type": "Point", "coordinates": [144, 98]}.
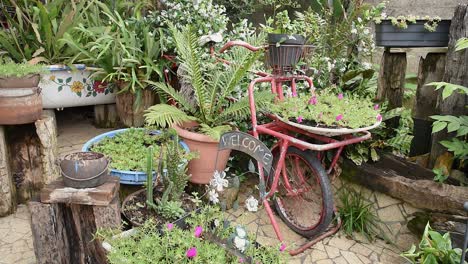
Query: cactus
{"type": "Point", "coordinates": [149, 178]}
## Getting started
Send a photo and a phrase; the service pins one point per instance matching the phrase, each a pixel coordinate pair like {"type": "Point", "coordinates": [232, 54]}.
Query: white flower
{"type": "Point", "coordinates": [240, 243]}
{"type": "Point", "coordinates": [367, 65]}
{"type": "Point", "coordinates": [354, 31]}
{"type": "Point", "coordinates": [240, 231]}
{"type": "Point", "coordinates": [213, 196]}
{"type": "Point", "coordinates": [216, 222]}
{"type": "Point", "coordinates": [359, 19]}
{"type": "Point", "coordinates": [251, 204]}
{"type": "Point", "coordinates": [218, 182]}
{"type": "Point", "coordinates": [384, 15]}
{"type": "Point", "coordinates": [366, 31]}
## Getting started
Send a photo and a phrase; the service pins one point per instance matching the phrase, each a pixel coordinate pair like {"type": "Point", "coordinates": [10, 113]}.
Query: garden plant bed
{"type": "Point", "coordinates": [409, 182]}
{"type": "Point", "coordinates": [135, 209]}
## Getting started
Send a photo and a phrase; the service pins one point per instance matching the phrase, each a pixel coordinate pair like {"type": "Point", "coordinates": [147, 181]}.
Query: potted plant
{"type": "Point", "coordinates": [164, 203]}
{"type": "Point", "coordinates": [33, 34]}
{"type": "Point", "coordinates": [202, 117]}
{"type": "Point", "coordinates": [20, 98]}
{"type": "Point", "coordinates": [127, 52]}
{"type": "Point", "coordinates": [126, 149]}
{"type": "Point", "coordinates": [411, 31]}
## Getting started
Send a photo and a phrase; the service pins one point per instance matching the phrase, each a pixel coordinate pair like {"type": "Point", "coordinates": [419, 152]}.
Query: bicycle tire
{"type": "Point", "coordinates": [319, 174]}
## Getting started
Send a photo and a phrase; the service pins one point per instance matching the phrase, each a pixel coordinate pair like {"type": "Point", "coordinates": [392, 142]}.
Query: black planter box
{"type": "Point", "coordinates": [387, 35]}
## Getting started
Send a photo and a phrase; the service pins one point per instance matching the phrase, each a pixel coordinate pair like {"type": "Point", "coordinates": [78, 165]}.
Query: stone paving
{"type": "Point", "coordinates": [16, 243]}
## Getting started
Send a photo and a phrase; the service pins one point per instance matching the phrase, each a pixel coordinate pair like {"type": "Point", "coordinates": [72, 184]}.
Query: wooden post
{"type": "Point", "coordinates": [391, 81]}
{"type": "Point", "coordinates": [65, 221]}
{"type": "Point", "coordinates": [105, 116]}
{"type": "Point", "coordinates": [431, 69]}
{"type": "Point", "coordinates": [46, 129]}
{"type": "Point", "coordinates": [456, 72]}
{"type": "Point", "coordinates": [7, 188]}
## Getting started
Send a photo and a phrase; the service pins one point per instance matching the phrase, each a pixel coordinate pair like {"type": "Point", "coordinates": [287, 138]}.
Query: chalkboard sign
{"type": "Point", "coordinates": [248, 144]}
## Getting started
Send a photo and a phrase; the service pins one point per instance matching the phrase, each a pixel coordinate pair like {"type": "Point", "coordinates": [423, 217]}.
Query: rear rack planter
{"type": "Point", "coordinates": [387, 35]}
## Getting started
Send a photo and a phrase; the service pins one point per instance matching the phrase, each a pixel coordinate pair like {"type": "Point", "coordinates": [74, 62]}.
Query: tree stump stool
{"type": "Point", "coordinates": [64, 222]}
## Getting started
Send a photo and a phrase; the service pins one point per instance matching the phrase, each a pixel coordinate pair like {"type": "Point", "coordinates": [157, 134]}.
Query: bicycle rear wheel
{"type": "Point", "coordinates": [305, 202]}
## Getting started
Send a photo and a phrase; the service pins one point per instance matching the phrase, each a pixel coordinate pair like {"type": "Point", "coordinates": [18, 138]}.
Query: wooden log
{"type": "Point", "coordinates": [130, 115]}
{"type": "Point", "coordinates": [46, 129]}
{"type": "Point", "coordinates": [391, 81]}
{"type": "Point", "coordinates": [408, 182]}
{"type": "Point", "coordinates": [431, 69]}
{"type": "Point", "coordinates": [456, 72]}
{"type": "Point", "coordinates": [102, 195]}
{"type": "Point", "coordinates": [7, 188]}
{"type": "Point", "coordinates": [108, 216]}
{"type": "Point", "coordinates": [49, 233]}
{"type": "Point", "coordinates": [105, 116]}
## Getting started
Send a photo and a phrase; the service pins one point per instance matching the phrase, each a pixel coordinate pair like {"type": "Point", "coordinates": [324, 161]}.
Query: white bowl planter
{"type": "Point", "coordinates": [64, 87]}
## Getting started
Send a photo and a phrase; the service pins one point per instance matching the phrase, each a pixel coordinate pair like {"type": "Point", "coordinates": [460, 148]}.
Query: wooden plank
{"type": "Point", "coordinates": [456, 72]}
{"type": "Point", "coordinates": [7, 188]}
{"type": "Point", "coordinates": [419, 50]}
{"type": "Point", "coordinates": [56, 192]}
{"type": "Point", "coordinates": [49, 235]}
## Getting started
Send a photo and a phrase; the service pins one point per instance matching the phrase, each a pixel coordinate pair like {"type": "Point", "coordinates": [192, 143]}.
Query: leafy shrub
{"type": "Point", "coordinates": [357, 215]}
{"type": "Point", "coordinates": [434, 248]}
{"type": "Point", "coordinates": [20, 70]}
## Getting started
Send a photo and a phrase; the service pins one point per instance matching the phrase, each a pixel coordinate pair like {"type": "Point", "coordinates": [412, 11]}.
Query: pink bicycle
{"type": "Point", "coordinates": [299, 185]}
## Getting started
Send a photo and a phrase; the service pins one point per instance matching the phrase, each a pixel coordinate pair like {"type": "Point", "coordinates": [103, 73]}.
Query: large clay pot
{"type": "Point", "coordinates": [29, 81]}
{"type": "Point", "coordinates": [202, 169]}
{"type": "Point", "coordinates": [128, 114]}
{"type": "Point", "coordinates": [20, 105]}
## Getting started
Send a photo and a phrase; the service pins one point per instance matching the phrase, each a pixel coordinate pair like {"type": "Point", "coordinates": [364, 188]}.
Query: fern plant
{"type": "Point", "coordinates": [210, 105]}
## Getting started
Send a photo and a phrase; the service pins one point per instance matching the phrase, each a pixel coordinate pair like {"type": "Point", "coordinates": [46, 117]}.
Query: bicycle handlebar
{"type": "Point", "coordinates": [239, 43]}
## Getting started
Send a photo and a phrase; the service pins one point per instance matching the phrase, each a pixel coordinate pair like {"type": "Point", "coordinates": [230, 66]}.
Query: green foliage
{"type": "Point", "coordinates": [127, 50]}
{"type": "Point", "coordinates": [461, 44]}
{"type": "Point", "coordinates": [149, 177]}
{"type": "Point", "coordinates": [20, 70]}
{"type": "Point", "coordinates": [209, 105]}
{"type": "Point", "coordinates": [170, 209]}
{"type": "Point", "coordinates": [36, 28]}
{"type": "Point", "coordinates": [434, 248]}
{"type": "Point", "coordinates": [355, 112]}
{"type": "Point", "coordinates": [439, 175]}
{"type": "Point", "coordinates": [172, 245]}
{"type": "Point", "coordinates": [402, 22]}
{"type": "Point", "coordinates": [357, 215]}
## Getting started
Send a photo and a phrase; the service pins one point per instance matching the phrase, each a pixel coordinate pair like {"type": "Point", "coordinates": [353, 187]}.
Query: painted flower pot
{"type": "Point", "coordinates": [64, 87]}
{"type": "Point", "coordinates": [387, 35]}
{"type": "Point", "coordinates": [203, 168]}
{"type": "Point", "coordinates": [126, 177]}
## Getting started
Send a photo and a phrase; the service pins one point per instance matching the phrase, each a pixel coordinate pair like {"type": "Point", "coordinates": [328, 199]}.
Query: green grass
{"type": "Point", "coordinates": [20, 69]}
{"type": "Point", "coordinates": [357, 215]}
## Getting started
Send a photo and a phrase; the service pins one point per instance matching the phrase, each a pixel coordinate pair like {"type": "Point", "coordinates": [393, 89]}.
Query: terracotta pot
{"type": "Point", "coordinates": [126, 111]}
{"type": "Point", "coordinates": [28, 81]}
{"type": "Point", "coordinates": [202, 169]}
{"type": "Point", "coordinates": [20, 105]}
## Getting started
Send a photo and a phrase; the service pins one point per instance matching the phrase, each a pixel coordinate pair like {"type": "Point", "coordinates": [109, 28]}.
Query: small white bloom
{"type": "Point", "coordinates": [359, 19]}
{"type": "Point", "coordinates": [240, 243]}
{"type": "Point", "coordinates": [251, 204]}
{"type": "Point", "coordinates": [367, 65]}
{"type": "Point", "coordinates": [218, 182]}
{"type": "Point", "coordinates": [384, 15]}
{"type": "Point", "coordinates": [366, 31]}
{"type": "Point", "coordinates": [213, 196]}
{"type": "Point", "coordinates": [354, 31]}
{"type": "Point", "coordinates": [216, 222]}
{"type": "Point", "coordinates": [240, 231]}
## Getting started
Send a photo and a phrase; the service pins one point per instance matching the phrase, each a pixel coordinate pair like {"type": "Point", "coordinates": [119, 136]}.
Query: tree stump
{"type": "Point", "coordinates": [105, 116]}
{"type": "Point", "coordinates": [28, 156]}
{"type": "Point", "coordinates": [7, 188]}
{"type": "Point", "coordinates": [65, 220]}
{"type": "Point", "coordinates": [456, 72]}
{"type": "Point", "coordinates": [131, 111]}
{"type": "Point", "coordinates": [391, 83]}
{"type": "Point", "coordinates": [431, 69]}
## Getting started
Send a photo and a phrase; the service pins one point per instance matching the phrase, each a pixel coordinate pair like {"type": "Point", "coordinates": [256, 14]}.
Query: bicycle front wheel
{"type": "Point", "coordinates": [305, 201]}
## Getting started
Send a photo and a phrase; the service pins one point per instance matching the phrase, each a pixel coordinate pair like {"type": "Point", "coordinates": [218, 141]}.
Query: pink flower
{"type": "Point", "coordinates": [191, 253]}
{"type": "Point", "coordinates": [313, 100]}
{"type": "Point", "coordinates": [339, 117]}
{"type": "Point", "coordinates": [170, 226]}
{"type": "Point", "coordinates": [282, 247]}
{"type": "Point", "coordinates": [299, 119]}
{"type": "Point", "coordinates": [379, 117]}
{"type": "Point", "coordinates": [198, 231]}
{"type": "Point", "coordinates": [241, 260]}
{"type": "Point", "coordinates": [294, 94]}
{"type": "Point", "coordinates": [376, 107]}
{"type": "Point", "coordinates": [340, 96]}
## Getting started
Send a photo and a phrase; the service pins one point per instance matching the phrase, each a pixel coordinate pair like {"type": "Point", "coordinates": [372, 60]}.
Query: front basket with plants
{"type": "Point", "coordinates": [202, 115]}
